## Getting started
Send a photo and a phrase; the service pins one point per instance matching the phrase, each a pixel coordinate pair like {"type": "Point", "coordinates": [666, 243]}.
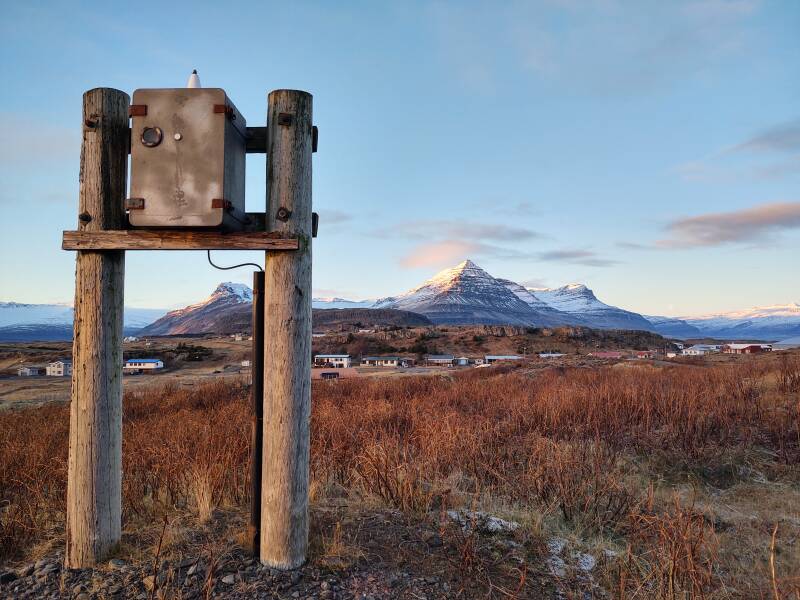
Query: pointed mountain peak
{"type": "Point", "coordinates": [463, 270]}
{"type": "Point", "coordinates": [242, 292]}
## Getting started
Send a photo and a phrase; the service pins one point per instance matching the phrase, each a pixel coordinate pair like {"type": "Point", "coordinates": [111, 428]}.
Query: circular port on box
{"type": "Point", "coordinates": [152, 136]}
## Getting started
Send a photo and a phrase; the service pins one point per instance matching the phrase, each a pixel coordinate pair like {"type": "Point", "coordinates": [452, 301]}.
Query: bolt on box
{"type": "Point", "coordinates": [187, 159]}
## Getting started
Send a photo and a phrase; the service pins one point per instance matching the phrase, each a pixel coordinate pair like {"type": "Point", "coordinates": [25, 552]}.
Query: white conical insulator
{"type": "Point", "coordinates": [194, 80]}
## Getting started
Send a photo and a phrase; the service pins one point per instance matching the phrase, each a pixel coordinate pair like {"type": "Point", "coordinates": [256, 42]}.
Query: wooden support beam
{"type": "Point", "coordinates": [94, 483]}
{"type": "Point", "coordinates": [257, 412]}
{"type": "Point", "coordinates": [135, 239]}
{"type": "Point", "coordinates": [256, 142]}
{"type": "Point", "coordinates": [287, 334]}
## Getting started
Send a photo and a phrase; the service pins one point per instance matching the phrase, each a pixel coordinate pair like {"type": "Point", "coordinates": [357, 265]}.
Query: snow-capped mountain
{"type": "Point", "coordinates": [226, 310]}
{"type": "Point", "coordinates": [541, 307]}
{"type": "Point", "coordinates": [229, 310]}
{"type": "Point", "coordinates": [52, 322]}
{"type": "Point", "coordinates": [580, 302]}
{"type": "Point", "coordinates": [340, 303]}
{"type": "Point", "coordinates": [766, 322]}
{"type": "Point", "coordinates": [464, 295]}
{"type": "Point", "coordinates": [673, 327]}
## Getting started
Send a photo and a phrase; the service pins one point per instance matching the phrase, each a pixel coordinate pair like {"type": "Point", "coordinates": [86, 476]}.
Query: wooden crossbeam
{"type": "Point", "coordinates": [163, 239]}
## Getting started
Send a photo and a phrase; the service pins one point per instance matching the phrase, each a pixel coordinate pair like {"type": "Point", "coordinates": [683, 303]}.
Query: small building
{"type": "Point", "coordinates": [439, 360]}
{"type": "Point", "coordinates": [478, 362]}
{"type": "Point", "coordinates": [317, 335]}
{"type": "Point", "coordinates": [137, 365]}
{"type": "Point", "coordinates": [493, 358]}
{"type": "Point", "coordinates": [130, 338]}
{"type": "Point", "coordinates": [746, 348]}
{"type": "Point", "coordinates": [339, 361]}
{"type": "Point", "coordinates": [608, 354]}
{"type": "Point", "coordinates": [330, 375]}
{"type": "Point", "coordinates": [386, 361]}
{"type": "Point", "coordinates": [701, 349]}
{"type": "Point", "coordinates": [462, 361]}
{"type": "Point", "coordinates": [646, 354]}
{"type": "Point", "coordinates": [31, 371]}
{"type": "Point", "coordinates": [246, 363]}
{"type": "Point", "coordinates": [59, 368]}
{"type": "Point", "coordinates": [551, 354]}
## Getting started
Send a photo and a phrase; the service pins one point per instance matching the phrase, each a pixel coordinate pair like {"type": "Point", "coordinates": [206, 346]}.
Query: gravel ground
{"type": "Point", "coordinates": [379, 554]}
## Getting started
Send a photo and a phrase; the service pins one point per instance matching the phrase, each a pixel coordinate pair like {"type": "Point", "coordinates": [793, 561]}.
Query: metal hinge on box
{"type": "Point", "coordinates": [226, 110]}
{"type": "Point", "coordinates": [134, 204]}
{"type": "Point", "coordinates": [221, 203]}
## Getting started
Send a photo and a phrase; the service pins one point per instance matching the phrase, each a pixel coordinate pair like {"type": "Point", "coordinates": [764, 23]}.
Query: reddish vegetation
{"type": "Point", "coordinates": [568, 441]}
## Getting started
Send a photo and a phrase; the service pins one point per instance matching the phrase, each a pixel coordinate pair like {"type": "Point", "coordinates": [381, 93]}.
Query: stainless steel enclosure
{"type": "Point", "coordinates": [187, 159]}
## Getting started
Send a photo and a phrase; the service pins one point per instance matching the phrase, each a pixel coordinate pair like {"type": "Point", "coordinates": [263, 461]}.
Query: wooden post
{"type": "Point", "coordinates": [257, 409]}
{"type": "Point", "coordinates": [287, 333]}
{"type": "Point", "coordinates": [94, 485]}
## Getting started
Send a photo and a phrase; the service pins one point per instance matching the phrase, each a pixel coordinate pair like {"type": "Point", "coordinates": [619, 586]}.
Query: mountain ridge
{"type": "Point", "coordinates": [461, 295]}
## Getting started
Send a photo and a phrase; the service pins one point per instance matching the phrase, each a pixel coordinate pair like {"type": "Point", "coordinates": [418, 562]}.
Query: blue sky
{"type": "Point", "coordinates": [648, 149]}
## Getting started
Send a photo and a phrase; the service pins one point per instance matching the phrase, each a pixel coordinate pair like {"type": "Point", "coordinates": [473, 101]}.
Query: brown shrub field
{"type": "Point", "coordinates": [684, 480]}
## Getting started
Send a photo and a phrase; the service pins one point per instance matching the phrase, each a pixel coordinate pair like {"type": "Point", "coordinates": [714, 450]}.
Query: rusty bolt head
{"type": "Point", "coordinates": [91, 123]}
{"type": "Point", "coordinates": [283, 214]}
{"type": "Point", "coordinates": [84, 217]}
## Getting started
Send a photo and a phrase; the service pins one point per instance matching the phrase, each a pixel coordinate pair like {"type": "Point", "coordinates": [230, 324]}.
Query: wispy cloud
{"type": "Point", "coordinates": [425, 229]}
{"type": "Point", "coordinates": [334, 217]}
{"type": "Point", "coordinates": [577, 256]}
{"type": "Point", "coordinates": [438, 254]}
{"type": "Point", "coordinates": [446, 252]}
{"type": "Point", "coordinates": [448, 241]}
{"type": "Point", "coordinates": [783, 137]}
{"type": "Point", "coordinates": [779, 139]}
{"type": "Point", "coordinates": [748, 225]}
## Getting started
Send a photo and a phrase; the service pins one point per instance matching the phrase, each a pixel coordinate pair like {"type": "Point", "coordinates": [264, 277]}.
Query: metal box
{"type": "Point", "coordinates": [187, 159]}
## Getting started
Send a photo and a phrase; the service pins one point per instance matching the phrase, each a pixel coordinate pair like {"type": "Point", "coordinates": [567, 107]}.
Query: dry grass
{"type": "Point", "coordinates": [602, 454]}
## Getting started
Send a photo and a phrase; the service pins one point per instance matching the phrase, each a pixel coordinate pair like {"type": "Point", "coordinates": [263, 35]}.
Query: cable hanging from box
{"type": "Point", "coordinates": [247, 264]}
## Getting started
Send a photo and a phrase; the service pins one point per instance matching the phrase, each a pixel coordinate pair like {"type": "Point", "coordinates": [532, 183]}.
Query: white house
{"type": "Point", "coordinates": [551, 354]}
{"type": "Point", "coordinates": [493, 358]}
{"type": "Point", "coordinates": [439, 359]}
{"type": "Point", "coordinates": [31, 371]}
{"type": "Point", "coordinates": [142, 364]}
{"type": "Point", "coordinates": [701, 349]}
{"type": "Point", "coordinates": [59, 368]}
{"type": "Point", "coordinates": [386, 361]}
{"type": "Point", "coordinates": [340, 361]}
{"type": "Point", "coordinates": [462, 361]}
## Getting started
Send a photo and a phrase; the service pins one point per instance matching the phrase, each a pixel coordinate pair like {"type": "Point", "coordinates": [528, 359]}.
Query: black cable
{"type": "Point", "coordinates": [247, 264]}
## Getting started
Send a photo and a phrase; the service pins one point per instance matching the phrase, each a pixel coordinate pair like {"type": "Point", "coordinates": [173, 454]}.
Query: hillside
{"type": "Point", "coordinates": [229, 310]}
{"type": "Point", "coordinates": [479, 340]}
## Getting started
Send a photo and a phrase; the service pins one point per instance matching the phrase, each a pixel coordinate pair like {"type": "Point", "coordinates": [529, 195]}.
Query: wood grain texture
{"type": "Point", "coordinates": [140, 239]}
{"type": "Point", "coordinates": [287, 333]}
{"type": "Point", "coordinates": [256, 412]}
{"type": "Point", "coordinates": [94, 485]}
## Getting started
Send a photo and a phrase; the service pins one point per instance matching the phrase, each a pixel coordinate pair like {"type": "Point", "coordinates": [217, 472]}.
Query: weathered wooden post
{"type": "Point", "coordinates": [257, 410]}
{"type": "Point", "coordinates": [94, 483]}
{"type": "Point", "coordinates": [287, 333]}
